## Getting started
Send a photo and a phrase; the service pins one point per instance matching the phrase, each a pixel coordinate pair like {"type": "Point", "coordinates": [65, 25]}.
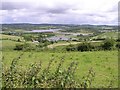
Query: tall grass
{"type": "Point", "coordinates": [36, 77]}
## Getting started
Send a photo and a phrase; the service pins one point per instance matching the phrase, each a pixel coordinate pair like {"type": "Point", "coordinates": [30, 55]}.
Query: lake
{"type": "Point", "coordinates": [42, 31]}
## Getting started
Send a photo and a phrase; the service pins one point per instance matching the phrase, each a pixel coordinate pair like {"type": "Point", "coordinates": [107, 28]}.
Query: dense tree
{"type": "Point", "coordinates": [19, 47]}
{"type": "Point", "coordinates": [28, 37]}
{"type": "Point", "coordinates": [108, 44]}
{"type": "Point", "coordinates": [71, 48]}
{"type": "Point", "coordinates": [84, 47]}
{"type": "Point", "coordinates": [25, 47]}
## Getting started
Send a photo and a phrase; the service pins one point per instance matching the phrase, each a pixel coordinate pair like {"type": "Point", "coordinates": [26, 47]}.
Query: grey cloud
{"type": "Point", "coordinates": [94, 14]}
{"type": "Point", "coordinates": [7, 6]}
{"type": "Point", "coordinates": [57, 10]}
{"type": "Point", "coordinates": [54, 13]}
{"type": "Point", "coordinates": [14, 5]}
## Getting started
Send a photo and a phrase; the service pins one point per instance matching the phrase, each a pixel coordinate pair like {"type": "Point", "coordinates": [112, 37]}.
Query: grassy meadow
{"type": "Point", "coordinates": [111, 34]}
{"type": "Point", "coordinates": [103, 63]}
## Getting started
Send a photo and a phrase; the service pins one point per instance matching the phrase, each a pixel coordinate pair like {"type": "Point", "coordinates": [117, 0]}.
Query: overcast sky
{"type": "Point", "coordinates": [60, 11]}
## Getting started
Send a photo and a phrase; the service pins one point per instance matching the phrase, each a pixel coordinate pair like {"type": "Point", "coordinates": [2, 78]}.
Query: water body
{"type": "Point", "coordinates": [42, 31]}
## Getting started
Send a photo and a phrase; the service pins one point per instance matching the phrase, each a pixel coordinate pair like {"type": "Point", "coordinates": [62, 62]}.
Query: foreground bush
{"type": "Point", "coordinates": [36, 77]}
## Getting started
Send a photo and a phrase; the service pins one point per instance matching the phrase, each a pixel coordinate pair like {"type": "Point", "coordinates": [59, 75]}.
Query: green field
{"type": "Point", "coordinates": [10, 37]}
{"type": "Point", "coordinates": [113, 35]}
{"type": "Point", "coordinates": [104, 63]}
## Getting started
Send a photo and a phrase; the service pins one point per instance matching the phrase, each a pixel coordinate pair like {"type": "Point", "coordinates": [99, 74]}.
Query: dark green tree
{"type": "Point", "coordinates": [108, 44]}
{"type": "Point", "coordinates": [84, 47]}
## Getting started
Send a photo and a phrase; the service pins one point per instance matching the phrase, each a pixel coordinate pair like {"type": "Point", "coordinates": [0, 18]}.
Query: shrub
{"type": "Point", "coordinates": [19, 40]}
{"type": "Point", "coordinates": [25, 47]}
{"type": "Point", "coordinates": [19, 47]}
{"type": "Point", "coordinates": [84, 47]}
{"type": "Point", "coordinates": [71, 48]}
{"type": "Point", "coordinates": [118, 40]}
{"type": "Point", "coordinates": [118, 45]}
{"type": "Point", "coordinates": [108, 44]}
{"type": "Point", "coordinates": [28, 37]}
{"type": "Point", "coordinates": [98, 39]}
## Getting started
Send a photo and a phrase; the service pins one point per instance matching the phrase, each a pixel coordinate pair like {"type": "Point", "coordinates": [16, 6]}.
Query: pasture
{"type": "Point", "coordinates": [112, 34]}
{"type": "Point", "coordinates": [10, 37]}
{"type": "Point", "coordinates": [104, 64]}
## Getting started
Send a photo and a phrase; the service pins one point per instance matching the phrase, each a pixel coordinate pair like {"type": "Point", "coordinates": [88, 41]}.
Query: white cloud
{"type": "Point", "coordinates": [60, 11]}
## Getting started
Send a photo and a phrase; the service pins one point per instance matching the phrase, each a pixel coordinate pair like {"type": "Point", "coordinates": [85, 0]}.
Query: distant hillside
{"type": "Point", "coordinates": [66, 27]}
{"type": "Point", "coordinates": [113, 35]}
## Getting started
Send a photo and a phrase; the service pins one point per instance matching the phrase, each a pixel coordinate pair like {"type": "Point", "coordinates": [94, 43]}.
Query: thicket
{"type": "Point", "coordinates": [71, 48]}
{"type": "Point", "coordinates": [107, 44]}
{"type": "Point", "coordinates": [24, 47]}
{"type": "Point", "coordinates": [84, 47]}
{"type": "Point", "coordinates": [30, 46]}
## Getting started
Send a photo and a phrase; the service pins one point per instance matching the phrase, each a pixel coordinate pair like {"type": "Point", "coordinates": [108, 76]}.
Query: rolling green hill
{"type": "Point", "coordinates": [113, 35]}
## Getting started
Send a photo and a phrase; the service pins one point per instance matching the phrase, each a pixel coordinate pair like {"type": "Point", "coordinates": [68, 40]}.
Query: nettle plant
{"type": "Point", "coordinates": [36, 77]}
